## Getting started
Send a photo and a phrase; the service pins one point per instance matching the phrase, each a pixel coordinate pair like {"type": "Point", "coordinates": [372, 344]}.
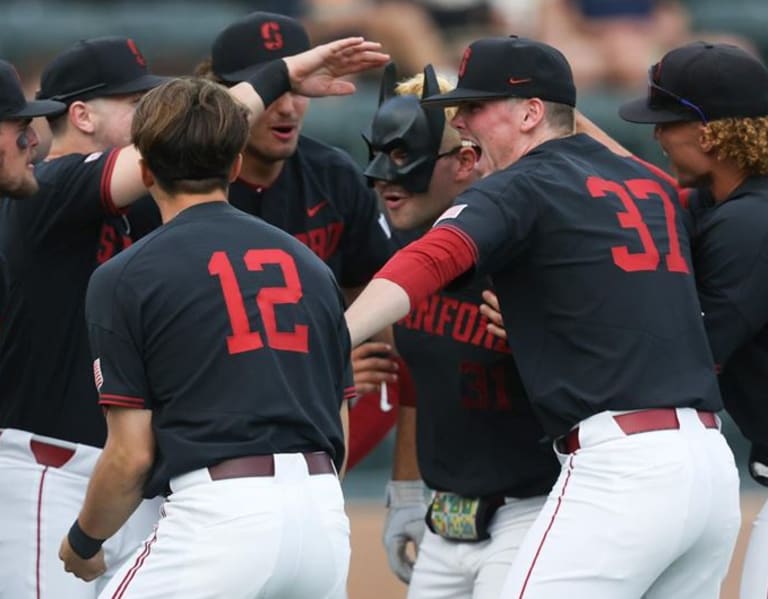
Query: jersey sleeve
{"type": "Point", "coordinates": [74, 190]}
{"type": "Point", "coordinates": [118, 364]}
{"type": "Point", "coordinates": [366, 245]}
{"type": "Point", "coordinates": [495, 218]}
{"type": "Point", "coordinates": [733, 280]}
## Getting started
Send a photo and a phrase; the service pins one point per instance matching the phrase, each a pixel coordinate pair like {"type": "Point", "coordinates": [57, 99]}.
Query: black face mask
{"type": "Point", "coordinates": [402, 123]}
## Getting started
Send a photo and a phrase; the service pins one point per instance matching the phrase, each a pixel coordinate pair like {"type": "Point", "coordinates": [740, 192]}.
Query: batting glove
{"type": "Point", "coordinates": [758, 463]}
{"type": "Point", "coordinates": [404, 524]}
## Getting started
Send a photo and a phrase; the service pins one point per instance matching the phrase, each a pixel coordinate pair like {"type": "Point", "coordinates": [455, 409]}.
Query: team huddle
{"type": "Point", "coordinates": [206, 317]}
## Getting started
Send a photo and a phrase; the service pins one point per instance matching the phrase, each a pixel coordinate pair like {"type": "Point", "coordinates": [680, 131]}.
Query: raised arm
{"type": "Point", "coordinates": [316, 72]}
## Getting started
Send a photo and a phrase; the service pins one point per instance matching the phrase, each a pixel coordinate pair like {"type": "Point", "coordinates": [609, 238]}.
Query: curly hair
{"type": "Point", "coordinates": [743, 140]}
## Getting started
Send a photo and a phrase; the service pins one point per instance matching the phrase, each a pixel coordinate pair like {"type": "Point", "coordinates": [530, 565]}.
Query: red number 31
{"type": "Point", "coordinates": [641, 189]}
{"type": "Point", "coordinates": [243, 339]}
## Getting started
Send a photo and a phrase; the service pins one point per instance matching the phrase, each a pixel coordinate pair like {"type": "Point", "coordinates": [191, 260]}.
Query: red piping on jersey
{"type": "Point", "coordinates": [122, 401]}
{"type": "Point", "coordinates": [121, 588]}
{"type": "Point", "coordinates": [39, 526]}
{"type": "Point", "coordinates": [106, 183]}
{"type": "Point", "coordinates": [683, 193]}
{"type": "Point", "coordinates": [549, 527]}
{"type": "Point", "coordinates": [431, 262]}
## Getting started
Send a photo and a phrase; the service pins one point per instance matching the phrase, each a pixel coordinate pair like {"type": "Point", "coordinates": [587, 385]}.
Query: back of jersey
{"type": "Point", "coordinates": [240, 340]}
{"type": "Point", "coordinates": [592, 265]}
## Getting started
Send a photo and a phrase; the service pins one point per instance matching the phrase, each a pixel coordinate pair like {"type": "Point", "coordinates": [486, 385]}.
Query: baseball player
{"type": "Point", "coordinates": [18, 139]}
{"type": "Point", "coordinates": [53, 428]}
{"type": "Point", "coordinates": [715, 138]}
{"type": "Point", "coordinates": [18, 142]}
{"type": "Point", "coordinates": [313, 191]}
{"type": "Point", "coordinates": [244, 431]}
{"type": "Point", "coordinates": [590, 259]}
{"type": "Point", "coordinates": [467, 385]}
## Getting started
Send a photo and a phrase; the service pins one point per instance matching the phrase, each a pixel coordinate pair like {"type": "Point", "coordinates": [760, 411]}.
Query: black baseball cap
{"type": "Point", "coordinates": [97, 68]}
{"type": "Point", "coordinates": [702, 82]}
{"type": "Point", "coordinates": [13, 104]}
{"type": "Point", "coordinates": [510, 67]}
{"type": "Point", "coordinates": [253, 40]}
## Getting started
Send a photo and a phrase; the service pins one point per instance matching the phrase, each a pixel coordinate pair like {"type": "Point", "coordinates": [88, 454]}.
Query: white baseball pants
{"type": "Point", "coordinates": [754, 576]}
{"type": "Point", "coordinates": [651, 514]}
{"type": "Point", "coordinates": [42, 487]}
{"type": "Point", "coordinates": [283, 536]}
{"type": "Point", "coordinates": [450, 570]}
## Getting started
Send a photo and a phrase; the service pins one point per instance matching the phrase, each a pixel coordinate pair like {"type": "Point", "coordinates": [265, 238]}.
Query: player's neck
{"type": "Point", "coordinates": [72, 143]}
{"type": "Point", "coordinates": [171, 205]}
{"type": "Point", "coordinates": [259, 172]}
{"type": "Point", "coordinates": [725, 178]}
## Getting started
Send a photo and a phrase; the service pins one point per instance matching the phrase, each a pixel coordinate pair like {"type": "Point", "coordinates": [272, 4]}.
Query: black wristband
{"type": "Point", "coordinates": [83, 545]}
{"type": "Point", "coordinates": [271, 81]}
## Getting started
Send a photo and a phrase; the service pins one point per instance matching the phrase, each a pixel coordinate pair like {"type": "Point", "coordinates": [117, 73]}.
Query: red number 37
{"type": "Point", "coordinates": [628, 193]}
{"type": "Point", "coordinates": [243, 339]}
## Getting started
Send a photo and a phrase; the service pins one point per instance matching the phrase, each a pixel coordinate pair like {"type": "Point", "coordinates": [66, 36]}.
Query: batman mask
{"type": "Point", "coordinates": [402, 123]}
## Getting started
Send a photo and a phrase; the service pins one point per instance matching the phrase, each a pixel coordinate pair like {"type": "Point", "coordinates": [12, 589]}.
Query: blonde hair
{"type": "Point", "coordinates": [743, 140]}
{"type": "Point", "coordinates": [414, 86]}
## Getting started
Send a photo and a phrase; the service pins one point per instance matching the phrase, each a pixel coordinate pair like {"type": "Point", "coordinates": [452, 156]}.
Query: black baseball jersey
{"type": "Point", "coordinates": [321, 198]}
{"type": "Point", "coordinates": [476, 433]}
{"type": "Point", "coordinates": [231, 332]}
{"type": "Point", "coordinates": [592, 265]}
{"type": "Point", "coordinates": [53, 241]}
{"type": "Point", "coordinates": [730, 257]}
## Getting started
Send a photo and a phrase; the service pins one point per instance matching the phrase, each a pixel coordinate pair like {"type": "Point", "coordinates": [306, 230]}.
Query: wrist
{"type": "Point", "coordinates": [405, 492]}
{"type": "Point", "coordinates": [271, 81]}
{"type": "Point", "coordinates": [82, 544]}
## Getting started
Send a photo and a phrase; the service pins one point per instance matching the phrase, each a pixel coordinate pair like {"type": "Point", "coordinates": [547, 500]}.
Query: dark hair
{"type": "Point", "coordinates": [204, 69]}
{"type": "Point", "coordinates": [190, 132]}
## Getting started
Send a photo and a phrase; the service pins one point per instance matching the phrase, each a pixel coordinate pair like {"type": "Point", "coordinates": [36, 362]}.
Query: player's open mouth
{"type": "Point", "coordinates": [283, 132]}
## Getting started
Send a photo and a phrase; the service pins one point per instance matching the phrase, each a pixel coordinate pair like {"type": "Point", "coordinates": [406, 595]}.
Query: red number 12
{"type": "Point", "coordinates": [243, 339]}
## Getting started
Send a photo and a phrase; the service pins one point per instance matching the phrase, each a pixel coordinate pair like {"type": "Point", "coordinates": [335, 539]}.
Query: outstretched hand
{"type": "Point", "coordinates": [318, 72]}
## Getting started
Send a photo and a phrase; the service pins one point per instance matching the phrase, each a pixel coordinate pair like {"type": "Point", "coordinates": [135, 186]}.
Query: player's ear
{"type": "Point", "coordinates": [147, 178]}
{"type": "Point", "coordinates": [81, 117]}
{"type": "Point", "coordinates": [467, 158]}
{"type": "Point", "coordinates": [533, 114]}
{"type": "Point", "coordinates": [234, 171]}
{"type": "Point", "coordinates": [705, 141]}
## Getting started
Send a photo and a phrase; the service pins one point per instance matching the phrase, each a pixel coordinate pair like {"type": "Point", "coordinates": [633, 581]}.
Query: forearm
{"type": "Point", "coordinates": [412, 274]}
{"type": "Point", "coordinates": [344, 415]}
{"type": "Point", "coordinates": [405, 463]}
{"type": "Point", "coordinates": [379, 305]}
{"type": "Point", "coordinates": [114, 492]}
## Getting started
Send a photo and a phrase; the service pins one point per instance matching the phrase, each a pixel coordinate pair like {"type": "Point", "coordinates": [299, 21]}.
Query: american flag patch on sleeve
{"type": "Point", "coordinates": [452, 212]}
{"type": "Point", "coordinates": [97, 376]}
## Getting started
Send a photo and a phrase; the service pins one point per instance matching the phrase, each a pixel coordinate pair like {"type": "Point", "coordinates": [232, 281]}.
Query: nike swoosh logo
{"type": "Point", "coordinates": [315, 209]}
{"type": "Point", "coordinates": [513, 81]}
